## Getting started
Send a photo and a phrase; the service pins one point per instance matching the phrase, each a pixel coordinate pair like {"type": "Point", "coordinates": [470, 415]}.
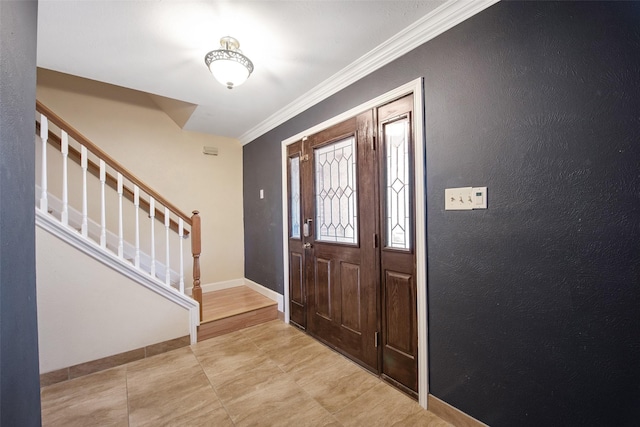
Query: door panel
{"type": "Point", "coordinates": [350, 298]}
{"type": "Point", "coordinates": [399, 348]}
{"type": "Point", "coordinates": [398, 295]}
{"type": "Point", "coordinates": [322, 286]}
{"type": "Point", "coordinates": [296, 290]}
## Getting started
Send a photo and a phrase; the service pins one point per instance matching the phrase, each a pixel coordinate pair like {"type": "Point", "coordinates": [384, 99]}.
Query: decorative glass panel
{"type": "Point", "coordinates": [398, 218]}
{"type": "Point", "coordinates": [294, 196]}
{"type": "Point", "coordinates": [336, 201]}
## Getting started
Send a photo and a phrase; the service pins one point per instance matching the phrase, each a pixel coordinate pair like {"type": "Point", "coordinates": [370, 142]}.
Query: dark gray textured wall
{"type": "Point", "coordinates": [19, 375]}
{"type": "Point", "coordinates": [533, 303]}
{"type": "Point", "coordinates": [263, 217]}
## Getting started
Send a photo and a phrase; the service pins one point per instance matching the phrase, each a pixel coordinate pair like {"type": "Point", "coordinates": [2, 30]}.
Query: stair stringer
{"type": "Point", "coordinates": [67, 234]}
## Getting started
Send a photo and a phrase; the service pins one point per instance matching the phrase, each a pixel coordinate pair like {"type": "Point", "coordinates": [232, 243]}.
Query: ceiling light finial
{"type": "Point", "coordinates": [227, 64]}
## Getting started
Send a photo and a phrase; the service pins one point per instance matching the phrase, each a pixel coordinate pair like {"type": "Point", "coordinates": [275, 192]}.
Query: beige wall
{"type": "Point", "coordinates": [130, 127]}
{"type": "Point", "coordinates": [90, 311]}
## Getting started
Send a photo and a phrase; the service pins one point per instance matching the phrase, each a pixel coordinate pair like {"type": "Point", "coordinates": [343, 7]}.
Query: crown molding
{"type": "Point", "coordinates": [428, 27]}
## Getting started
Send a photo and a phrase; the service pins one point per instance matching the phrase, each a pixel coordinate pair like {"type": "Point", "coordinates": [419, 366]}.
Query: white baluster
{"type": "Point", "coordinates": [167, 279]}
{"type": "Point", "coordinates": [83, 165]}
{"type": "Point", "coordinates": [44, 135]}
{"type": "Point", "coordinates": [103, 205]}
{"type": "Point", "coordinates": [136, 203]}
{"type": "Point", "coordinates": [152, 215]}
{"type": "Point", "coordinates": [120, 220]}
{"type": "Point", "coordinates": [180, 236]}
{"type": "Point", "coordinates": [64, 149]}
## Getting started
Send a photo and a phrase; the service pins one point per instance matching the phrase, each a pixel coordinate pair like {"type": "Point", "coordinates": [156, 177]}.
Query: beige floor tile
{"type": "Point", "coordinates": [334, 381]}
{"type": "Point", "coordinates": [175, 358]}
{"type": "Point", "coordinates": [165, 370]}
{"type": "Point", "coordinates": [224, 362]}
{"type": "Point", "coordinates": [275, 334]}
{"type": "Point", "coordinates": [96, 399]}
{"type": "Point", "coordinates": [380, 406]}
{"type": "Point", "coordinates": [318, 359]}
{"type": "Point", "coordinates": [295, 351]}
{"type": "Point", "coordinates": [170, 389]}
{"type": "Point", "coordinates": [236, 384]}
{"type": "Point", "coordinates": [273, 327]}
{"type": "Point", "coordinates": [267, 375]}
{"type": "Point", "coordinates": [224, 346]}
{"type": "Point", "coordinates": [217, 342]}
{"type": "Point", "coordinates": [198, 406]}
{"type": "Point", "coordinates": [305, 354]}
{"type": "Point", "coordinates": [280, 402]}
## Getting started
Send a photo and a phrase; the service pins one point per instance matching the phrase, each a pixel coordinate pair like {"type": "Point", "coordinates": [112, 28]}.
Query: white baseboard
{"type": "Point", "coordinates": [272, 295]}
{"type": "Point", "coordinates": [217, 286]}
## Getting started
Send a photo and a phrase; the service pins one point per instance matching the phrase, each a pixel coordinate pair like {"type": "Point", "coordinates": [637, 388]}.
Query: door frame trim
{"type": "Point", "coordinates": [417, 88]}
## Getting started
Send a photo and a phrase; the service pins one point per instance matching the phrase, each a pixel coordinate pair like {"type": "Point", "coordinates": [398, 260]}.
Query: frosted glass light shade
{"type": "Point", "coordinates": [229, 72]}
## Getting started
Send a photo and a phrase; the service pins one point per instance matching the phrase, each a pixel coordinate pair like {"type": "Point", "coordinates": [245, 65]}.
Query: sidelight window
{"type": "Point", "coordinates": [398, 209]}
{"type": "Point", "coordinates": [294, 196]}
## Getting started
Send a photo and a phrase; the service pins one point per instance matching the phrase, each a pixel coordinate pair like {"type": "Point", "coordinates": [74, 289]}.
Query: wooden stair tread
{"type": "Point", "coordinates": [232, 309]}
{"type": "Point", "coordinates": [230, 302]}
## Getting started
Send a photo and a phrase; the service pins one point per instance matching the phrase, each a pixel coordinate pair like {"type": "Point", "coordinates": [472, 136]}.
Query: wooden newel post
{"type": "Point", "coordinates": [196, 292]}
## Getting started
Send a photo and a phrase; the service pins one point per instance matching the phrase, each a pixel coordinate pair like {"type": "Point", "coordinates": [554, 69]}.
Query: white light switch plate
{"type": "Point", "coordinates": [465, 198]}
{"type": "Point", "coordinates": [458, 199]}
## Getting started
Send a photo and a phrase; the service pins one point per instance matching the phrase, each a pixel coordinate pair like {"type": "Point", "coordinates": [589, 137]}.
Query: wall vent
{"type": "Point", "coordinates": [211, 151]}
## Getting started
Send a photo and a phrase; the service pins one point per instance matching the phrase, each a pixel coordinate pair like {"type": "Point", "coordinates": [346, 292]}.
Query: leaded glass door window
{"type": "Point", "coordinates": [336, 192]}
{"type": "Point", "coordinates": [294, 196]}
{"type": "Point", "coordinates": [398, 185]}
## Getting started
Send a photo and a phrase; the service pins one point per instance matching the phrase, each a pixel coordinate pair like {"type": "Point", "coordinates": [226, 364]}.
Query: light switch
{"type": "Point", "coordinates": [479, 196]}
{"type": "Point", "coordinates": [261, 193]}
{"type": "Point", "coordinates": [458, 199]}
{"type": "Point", "coordinates": [465, 198]}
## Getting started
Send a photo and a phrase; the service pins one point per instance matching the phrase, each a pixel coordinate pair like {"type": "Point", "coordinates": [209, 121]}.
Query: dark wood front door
{"type": "Point", "coordinates": [351, 276]}
{"type": "Point", "coordinates": [339, 184]}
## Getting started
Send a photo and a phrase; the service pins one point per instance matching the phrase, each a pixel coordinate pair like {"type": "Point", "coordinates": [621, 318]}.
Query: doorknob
{"type": "Point", "coordinates": [307, 245]}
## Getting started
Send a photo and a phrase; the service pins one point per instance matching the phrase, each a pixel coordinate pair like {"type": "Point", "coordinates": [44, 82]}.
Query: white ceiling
{"type": "Point", "coordinates": [299, 49]}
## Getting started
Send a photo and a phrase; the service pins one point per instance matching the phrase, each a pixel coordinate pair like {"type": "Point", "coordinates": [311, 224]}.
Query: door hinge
{"type": "Point", "coordinates": [377, 338]}
{"type": "Point", "coordinates": [375, 240]}
{"type": "Point", "coordinates": [374, 145]}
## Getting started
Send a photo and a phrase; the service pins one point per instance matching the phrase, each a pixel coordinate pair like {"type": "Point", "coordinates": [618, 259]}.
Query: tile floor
{"type": "Point", "coordinates": [267, 375]}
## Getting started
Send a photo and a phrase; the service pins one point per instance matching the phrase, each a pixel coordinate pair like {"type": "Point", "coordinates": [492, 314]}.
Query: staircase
{"type": "Point", "coordinates": [97, 209]}
{"type": "Point", "coordinates": [133, 230]}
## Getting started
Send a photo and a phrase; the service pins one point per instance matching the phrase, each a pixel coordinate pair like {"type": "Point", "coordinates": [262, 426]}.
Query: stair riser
{"type": "Point", "coordinates": [237, 322]}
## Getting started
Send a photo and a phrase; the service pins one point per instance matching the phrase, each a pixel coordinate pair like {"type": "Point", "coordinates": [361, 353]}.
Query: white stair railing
{"type": "Point", "coordinates": [64, 150]}
{"type": "Point", "coordinates": [128, 192]}
{"type": "Point", "coordinates": [44, 137]}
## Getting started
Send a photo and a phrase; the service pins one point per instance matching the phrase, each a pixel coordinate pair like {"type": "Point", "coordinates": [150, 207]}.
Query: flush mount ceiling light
{"type": "Point", "coordinates": [227, 64]}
